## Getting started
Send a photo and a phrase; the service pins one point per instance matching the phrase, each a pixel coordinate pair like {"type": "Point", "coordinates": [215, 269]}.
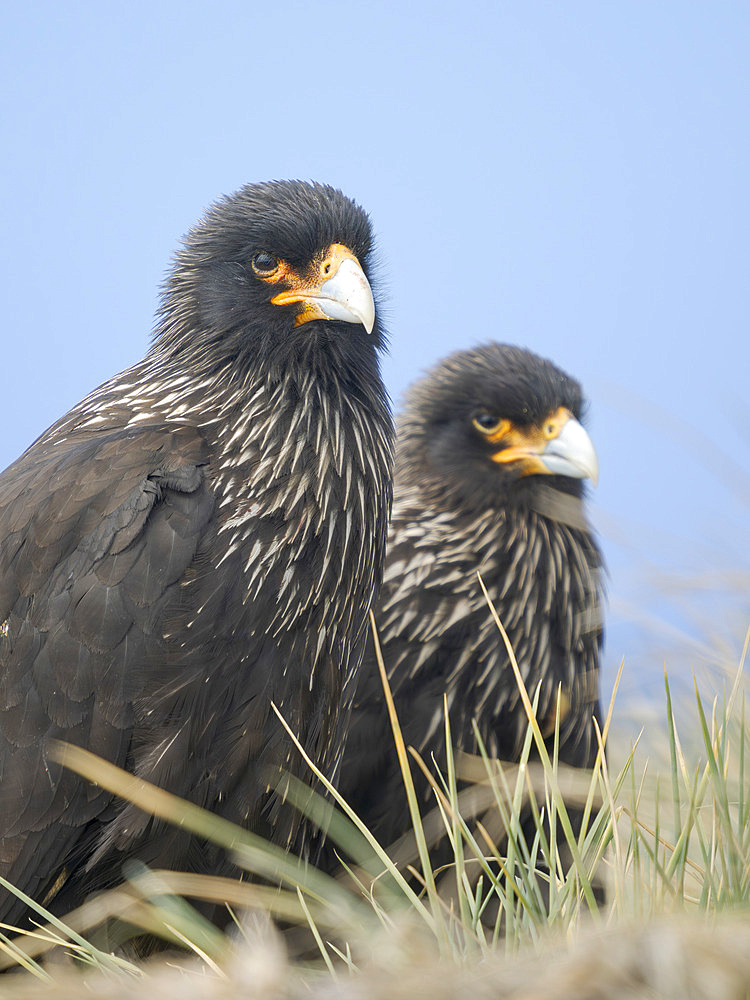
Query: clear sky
{"type": "Point", "coordinates": [571, 176]}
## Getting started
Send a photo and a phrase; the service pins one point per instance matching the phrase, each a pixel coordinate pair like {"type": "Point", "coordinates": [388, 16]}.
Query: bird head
{"type": "Point", "coordinates": [487, 427]}
{"type": "Point", "coordinates": [270, 270]}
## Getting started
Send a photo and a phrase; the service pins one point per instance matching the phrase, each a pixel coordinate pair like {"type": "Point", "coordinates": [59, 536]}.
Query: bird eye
{"type": "Point", "coordinates": [264, 263]}
{"type": "Point", "coordinates": [486, 422]}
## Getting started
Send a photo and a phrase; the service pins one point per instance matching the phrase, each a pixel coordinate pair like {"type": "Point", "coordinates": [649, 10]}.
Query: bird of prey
{"type": "Point", "coordinates": [201, 536]}
{"type": "Point", "coordinates": [490, 463]}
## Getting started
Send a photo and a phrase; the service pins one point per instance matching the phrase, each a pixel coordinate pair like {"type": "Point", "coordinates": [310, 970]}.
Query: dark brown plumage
{"type": "Point", "coordinates": [199, 537]}
{"type": "Point", "coordinates": [490, 464]}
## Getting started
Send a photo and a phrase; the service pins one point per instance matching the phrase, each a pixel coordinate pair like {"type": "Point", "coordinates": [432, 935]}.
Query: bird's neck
{"type": "Point", "coordinates": [297, 433]}
{"type": "Point", "coordinates": [307, 466]}
{"type": "Point", "coordinates": [520, 552]}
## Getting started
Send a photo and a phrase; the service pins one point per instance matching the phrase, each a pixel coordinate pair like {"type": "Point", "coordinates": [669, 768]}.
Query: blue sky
{"type": "Point", "coordinates": [571, 176]}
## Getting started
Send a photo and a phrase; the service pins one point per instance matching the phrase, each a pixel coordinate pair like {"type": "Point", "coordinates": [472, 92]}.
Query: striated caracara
{"type": "Point", "coordinates": [200, 536]}
{"type": "Point", "coordinates": [490, 464]}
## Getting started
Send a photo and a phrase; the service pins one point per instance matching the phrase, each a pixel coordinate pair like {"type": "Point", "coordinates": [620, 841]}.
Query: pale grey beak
{"type": "Point", "coordinates": [347, 295]}
{"type": "Point", "coordinates": [571, 453]}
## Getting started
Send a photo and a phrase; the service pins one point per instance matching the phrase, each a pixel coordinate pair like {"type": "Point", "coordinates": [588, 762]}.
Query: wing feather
{"type": "Point", "coordinates": [95, 531]}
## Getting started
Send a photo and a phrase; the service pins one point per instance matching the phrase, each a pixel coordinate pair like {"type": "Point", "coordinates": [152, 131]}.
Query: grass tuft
{"type": "Point", "coordinates": [662, 840]}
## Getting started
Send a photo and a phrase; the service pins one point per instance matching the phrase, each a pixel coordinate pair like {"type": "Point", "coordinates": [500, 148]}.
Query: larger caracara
{"type": "Point", "coordinates": [198, 538]}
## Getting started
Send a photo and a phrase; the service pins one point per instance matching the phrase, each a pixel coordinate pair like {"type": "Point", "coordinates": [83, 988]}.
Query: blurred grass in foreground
{"type": "Point", "coordinates": [663, 842]}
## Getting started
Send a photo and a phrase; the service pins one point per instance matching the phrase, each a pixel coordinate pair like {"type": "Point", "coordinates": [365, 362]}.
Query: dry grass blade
{"type": "Point", "coordinates": [251, 851]}
{"type": "Point", "coordinates": [379, 851]}
{"type": "Point", "coordinates": [67, 934]}
{"type": "Point", "coordinates": [411, 795]}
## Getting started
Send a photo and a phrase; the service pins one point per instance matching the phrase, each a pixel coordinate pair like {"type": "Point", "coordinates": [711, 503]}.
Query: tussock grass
{"type": "Point", "coordinates": [530, 845]}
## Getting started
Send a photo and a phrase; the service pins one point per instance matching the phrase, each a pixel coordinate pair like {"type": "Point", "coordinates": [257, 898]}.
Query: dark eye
{"type": "Point", "coordinates": [486, 422]}
{"type": "Point", "coordinates": [264, 263]}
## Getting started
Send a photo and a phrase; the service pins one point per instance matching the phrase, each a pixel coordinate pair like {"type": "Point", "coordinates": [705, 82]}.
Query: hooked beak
{"type": "Point", "coordinates": [572, 453]}
{"type": "Point", "coordinates": [338, 290]}
{"type": "Point", "coordinates": [563, 448]}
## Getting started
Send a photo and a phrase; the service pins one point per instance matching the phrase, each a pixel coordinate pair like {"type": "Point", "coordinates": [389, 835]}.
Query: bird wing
{"type": "Point", "coordinates": [95, 529]}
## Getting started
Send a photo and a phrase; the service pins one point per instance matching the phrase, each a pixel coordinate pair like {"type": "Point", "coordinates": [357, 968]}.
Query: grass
{"type": "Point", "coordinates": [662, 840]}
